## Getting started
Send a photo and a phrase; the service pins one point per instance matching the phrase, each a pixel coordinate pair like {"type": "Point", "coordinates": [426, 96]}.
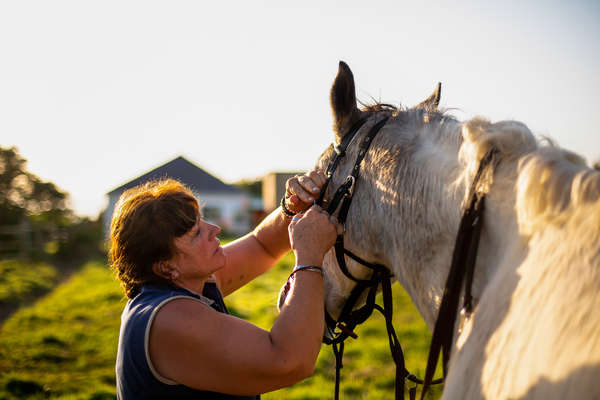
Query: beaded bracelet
{"type": "Point", "coordinates": [312, 268]}
{"type": "Point", "coordinates": [285, 210]}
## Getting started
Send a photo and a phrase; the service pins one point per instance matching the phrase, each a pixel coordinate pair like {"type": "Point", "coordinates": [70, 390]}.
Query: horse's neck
{"type": "Point", "coordinates": [426, 196]}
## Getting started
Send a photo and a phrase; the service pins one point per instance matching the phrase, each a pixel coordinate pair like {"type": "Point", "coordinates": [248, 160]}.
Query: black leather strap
{"type": "Point", "coordinates": [461, 270]}
{"type": "Point", "coordinates": [349, 317]}
{"type": "Point", "coordinates": [340, 152]}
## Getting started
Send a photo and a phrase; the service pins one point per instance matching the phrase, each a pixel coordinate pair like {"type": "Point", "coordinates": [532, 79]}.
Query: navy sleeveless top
{"type": "Point", "coordinates": [136, 376]}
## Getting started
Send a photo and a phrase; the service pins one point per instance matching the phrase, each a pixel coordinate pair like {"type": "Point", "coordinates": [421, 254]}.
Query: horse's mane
{"type": "Point", "coordinates": [554, 185]}
{"type": "Point", "coordinates": [378, 107]}
{"type": "Point", "coordinates": [396, 109]}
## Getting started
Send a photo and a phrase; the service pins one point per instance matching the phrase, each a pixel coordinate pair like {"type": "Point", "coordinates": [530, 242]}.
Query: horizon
{"type": "Point", "coordinates": [94, 96]}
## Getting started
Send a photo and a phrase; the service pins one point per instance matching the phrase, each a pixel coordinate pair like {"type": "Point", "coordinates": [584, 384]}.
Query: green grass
{"type": "Point", "coordinates": [64, 346]}
{"type": "Point", "coordinates": [369, 370]}
{"type": "Point", "coordinates": [19, 279]}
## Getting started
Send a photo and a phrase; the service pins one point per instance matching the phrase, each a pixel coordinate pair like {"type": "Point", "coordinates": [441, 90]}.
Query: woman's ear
{"type": "Point", "coordinates": [165, 270]}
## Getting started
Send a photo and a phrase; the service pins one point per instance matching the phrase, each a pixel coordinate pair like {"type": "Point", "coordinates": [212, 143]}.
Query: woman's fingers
{"type": "Point", "coordinates": [317, 177]}
{"type": "Point", "coordinates": [338, 227]}
{"type": "Point", "coordinates": [302, 190]}
{"type": "Point", "coordinates": [308, 184]}
{"type": "Point", "coordinates": [313, 233]}
{"type": "Point", "coordinates": [295, 187]}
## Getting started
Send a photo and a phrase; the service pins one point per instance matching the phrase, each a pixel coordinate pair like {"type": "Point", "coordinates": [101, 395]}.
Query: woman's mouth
{"type": "Point", "coordinates": [219, 248]}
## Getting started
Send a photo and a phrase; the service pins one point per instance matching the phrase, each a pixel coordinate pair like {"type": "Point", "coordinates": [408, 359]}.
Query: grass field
{"type": "Point", "coordinates": [18, 279]}
{"type": "Point", "coordinates": [64, 346]}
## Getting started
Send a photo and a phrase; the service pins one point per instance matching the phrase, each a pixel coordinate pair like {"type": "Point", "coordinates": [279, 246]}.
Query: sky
{"type": "Point", "coordinates": [94, 94]}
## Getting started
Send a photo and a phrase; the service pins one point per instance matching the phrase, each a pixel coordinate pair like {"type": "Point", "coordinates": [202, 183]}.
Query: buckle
{"type": "Point", "coordinates": [347, 331]}
{"type": "Point", "coordinates": [350, 191]}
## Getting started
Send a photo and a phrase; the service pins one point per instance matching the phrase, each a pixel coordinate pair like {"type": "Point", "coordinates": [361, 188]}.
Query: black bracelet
{"type": "Point", "coordinates": [285, 209]}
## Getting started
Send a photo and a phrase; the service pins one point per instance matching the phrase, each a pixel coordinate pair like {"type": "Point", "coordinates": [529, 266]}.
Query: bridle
{"type": "Point", "coordinates": [462, 265]}
{"type": "Point", "coordinates": [381, 275]}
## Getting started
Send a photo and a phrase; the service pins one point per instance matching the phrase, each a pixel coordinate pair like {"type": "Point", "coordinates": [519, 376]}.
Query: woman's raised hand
{"type": "Point", "coordinates": [312, 234]}
{"type": "Point", "coordinates": [301, 191]}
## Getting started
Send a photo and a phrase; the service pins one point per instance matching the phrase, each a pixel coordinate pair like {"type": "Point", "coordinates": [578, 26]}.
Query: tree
{"type": "Point", "coordinates": [597, 165]}
{"type": "Point", "coordinates": [24, 194]}
{"type": "Point", "coordinates": [33, 213]}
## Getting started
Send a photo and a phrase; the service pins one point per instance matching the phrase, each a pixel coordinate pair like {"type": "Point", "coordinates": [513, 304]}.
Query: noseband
{"type": "Point", "coordinates": [461, 271]}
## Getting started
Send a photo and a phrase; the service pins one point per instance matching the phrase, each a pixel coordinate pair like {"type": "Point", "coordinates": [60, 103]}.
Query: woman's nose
{"type": "Point", "coordinates": [216, 229]}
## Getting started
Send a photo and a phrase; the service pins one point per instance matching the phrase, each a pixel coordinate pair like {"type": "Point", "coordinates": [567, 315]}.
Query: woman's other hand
{"type": "Point", "coordinates": [312, 234]}
{"type": "Point", "coordinates": [301, 191]}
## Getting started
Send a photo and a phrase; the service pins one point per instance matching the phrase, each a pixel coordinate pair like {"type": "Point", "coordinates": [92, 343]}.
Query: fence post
{"type": "Point", "coordinates": [25, 236]}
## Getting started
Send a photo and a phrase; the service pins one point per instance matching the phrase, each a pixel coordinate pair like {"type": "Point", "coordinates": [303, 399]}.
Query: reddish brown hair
{"type": "Point", "coordinates": [146, 220]}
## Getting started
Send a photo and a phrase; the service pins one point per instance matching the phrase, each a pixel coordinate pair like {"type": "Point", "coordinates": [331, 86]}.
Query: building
{"type": "Point", "coordinates": [225, 205]}
{"type": "Point", "coordinates": [273, 188]}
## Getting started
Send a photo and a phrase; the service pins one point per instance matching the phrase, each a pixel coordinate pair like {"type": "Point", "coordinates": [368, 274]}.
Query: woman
{"type": "Point", "coordinates": [177, 340]}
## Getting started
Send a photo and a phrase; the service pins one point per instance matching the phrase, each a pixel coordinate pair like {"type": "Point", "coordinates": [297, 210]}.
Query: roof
{"type": "Point", "coordinates": [198, 180]}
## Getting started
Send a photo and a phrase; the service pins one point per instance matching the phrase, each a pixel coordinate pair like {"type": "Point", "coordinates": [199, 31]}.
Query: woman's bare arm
{"type": "Point", "coordinates": [194, 345]}
{"type": "Point", "coordinates": [256, 252]}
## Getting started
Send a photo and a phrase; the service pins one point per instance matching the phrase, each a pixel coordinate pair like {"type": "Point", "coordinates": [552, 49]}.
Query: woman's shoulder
{"type": "Point", "coordinates": [155, 295]}
{"type": "Point", "coordinates": [182, 320]}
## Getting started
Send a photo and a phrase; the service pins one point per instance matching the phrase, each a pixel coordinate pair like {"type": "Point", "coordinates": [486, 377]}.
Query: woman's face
{"type": "Point", "coordinates": [199, 253]}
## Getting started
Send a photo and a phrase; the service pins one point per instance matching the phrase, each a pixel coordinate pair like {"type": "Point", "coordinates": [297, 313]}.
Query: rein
{"type": "Point", "coordinates": [462, 267]}
{"type": "Point", "coordinates": [461, 271]}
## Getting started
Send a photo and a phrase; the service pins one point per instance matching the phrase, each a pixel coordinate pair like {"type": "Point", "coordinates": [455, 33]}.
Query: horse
{"type": "Point", "coordinates": [534, 332]}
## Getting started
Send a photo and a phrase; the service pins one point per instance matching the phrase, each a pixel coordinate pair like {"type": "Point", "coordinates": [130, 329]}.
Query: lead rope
{"type": "Point", "coordinates": [395, 347]}
{"type": "Point", "coordinates": [402, 373]}
{"type": "Point", "coordinates": [338, 353]}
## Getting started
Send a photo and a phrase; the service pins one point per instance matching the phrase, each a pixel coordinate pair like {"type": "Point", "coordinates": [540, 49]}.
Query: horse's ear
{"type": "Point", "coordinates": [343, 100]}
{"type": "Point", "coordinates": [432, 102]}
